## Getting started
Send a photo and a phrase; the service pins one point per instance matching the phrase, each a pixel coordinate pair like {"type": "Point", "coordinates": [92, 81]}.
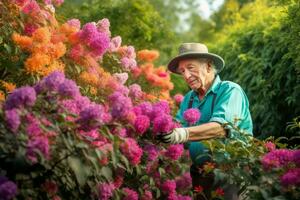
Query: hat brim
{"type": "Point", "coordinates": [218, 61]}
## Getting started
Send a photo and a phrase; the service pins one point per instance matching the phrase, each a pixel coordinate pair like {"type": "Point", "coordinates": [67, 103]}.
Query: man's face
{"type": "Point", "coordinates": [195, 72]}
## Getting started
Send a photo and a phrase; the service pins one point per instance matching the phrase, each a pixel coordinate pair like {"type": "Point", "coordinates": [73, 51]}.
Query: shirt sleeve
{"type": "Point", "coordinates": [230, 108]}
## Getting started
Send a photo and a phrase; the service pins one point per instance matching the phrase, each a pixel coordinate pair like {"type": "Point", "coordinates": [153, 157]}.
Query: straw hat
{"type": "Point", "coordinates": [195, 50]}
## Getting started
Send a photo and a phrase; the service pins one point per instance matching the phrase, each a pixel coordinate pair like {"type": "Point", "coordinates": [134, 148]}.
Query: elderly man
{"type": "Point", "coordinates": [220, 103]}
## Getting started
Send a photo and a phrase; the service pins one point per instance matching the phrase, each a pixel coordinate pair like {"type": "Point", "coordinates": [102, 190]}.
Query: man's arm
{"type": "Point", "coordinates": [206, 131]}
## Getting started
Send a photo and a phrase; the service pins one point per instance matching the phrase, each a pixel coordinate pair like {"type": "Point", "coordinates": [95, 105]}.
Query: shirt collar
{"type": "Point", "coordinates": [214, 87]}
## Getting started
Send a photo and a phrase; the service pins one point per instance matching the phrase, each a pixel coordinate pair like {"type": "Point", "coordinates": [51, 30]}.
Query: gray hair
{"type": "Point", "coordinates": [210, 62]}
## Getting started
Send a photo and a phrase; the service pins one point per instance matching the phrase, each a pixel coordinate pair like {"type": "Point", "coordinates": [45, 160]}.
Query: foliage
{"type": "Point", "coordinates": [264, 44]}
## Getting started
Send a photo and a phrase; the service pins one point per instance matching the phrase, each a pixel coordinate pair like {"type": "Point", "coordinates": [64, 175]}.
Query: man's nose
{"type": "Point", "coordinates": [186, 74]}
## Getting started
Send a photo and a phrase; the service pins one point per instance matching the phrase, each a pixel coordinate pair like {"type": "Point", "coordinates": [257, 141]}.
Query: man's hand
{"type": "Point", "coordinates": [178, 135]}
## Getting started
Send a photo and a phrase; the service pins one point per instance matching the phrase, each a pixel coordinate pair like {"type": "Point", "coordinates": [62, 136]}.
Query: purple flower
{"type": "Point", "coordinates": [21, 97]}
{"type": "Point", "coordinates": [291, 178]}
{"type": "Point", "coordinates": [105, 190]}
{"type": "Point", "coordinates": [115, 44]}
{"type": "Point", "coordinates": [130, 194]}
{"type": "Point", "coordinates": [296, 157]}
{"type": "Point", "coordinates": [141, 124]}
{"type": "Point", "coordinates": [159, 108]}
{"type": "Point", "coordinates": [174, 151]}
{"type": "Point", "coordinates": [53, 80]}
{"type": "Point", "coordinates": [184, 182]}
{"type": "Point", "coordinates": [152, 152]}
{"type": "Point", "coordinates": [191, 115]}
{"type": "Point", "coordinates": [8, 189]}
{"type": "Point", "coordinates": [88, 33]}
{"type": "Point", "coordinates": [162, 124]}
{"type": "Point", "coordinates": [68, 89]}
{"type": "Point", "coordinates": [74, 22]}
{"type": "Point", "coordinates": [277, 158]}
{"type": "Point", "coordinates": [40, 144]}
{"type": "Point", "coordinates": [169, 187]}
{"type": "Point", "coordinates": [12, 119]}
{"type": "Point", "coordinates": [120, 105]}
{"type": "Point", "coordinates": [135, 91]}
{"type": "Point", "coordinates": [146, 108]}
{"type": "Point", "coordinates": [91, 117]}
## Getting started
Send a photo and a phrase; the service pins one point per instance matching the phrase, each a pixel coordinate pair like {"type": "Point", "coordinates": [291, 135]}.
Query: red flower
{"type": "Point", "coordinates": [198, 189]}
{"type": "Point", "coordinates": [220, 192]}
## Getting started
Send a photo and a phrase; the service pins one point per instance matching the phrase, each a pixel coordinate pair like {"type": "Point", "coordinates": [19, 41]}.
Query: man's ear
{"type": "Point", "coordinates": [209, 66]}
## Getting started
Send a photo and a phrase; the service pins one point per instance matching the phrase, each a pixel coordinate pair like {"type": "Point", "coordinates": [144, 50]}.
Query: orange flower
{"type": "Point", "coordinates": [54, 66]}
{"type": "Point", "coordinates": [8, 86]}
{"type": "Point", "coordinates": [2, 96]}
{"type": "Point", "coordinates": [209, 167]}
{"type": "Point", "coordinates": [24, 42]}
{"type": "Point", "coordinates": [148, 55]}
{"type": "Point", "coordinates": [41, 35]}
{"type": "Point", "coordinates": [36, 63]}
{"type": "Point", "coordinates": [89, 78]}
{"type": "Point", "coordinates": [57, 50]}
{"type": "Point", "coordinates": [93, 90]}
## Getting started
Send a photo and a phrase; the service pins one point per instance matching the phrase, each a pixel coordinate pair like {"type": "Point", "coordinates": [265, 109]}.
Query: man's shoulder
{"type": "Point", "coordinates": [229, 85]}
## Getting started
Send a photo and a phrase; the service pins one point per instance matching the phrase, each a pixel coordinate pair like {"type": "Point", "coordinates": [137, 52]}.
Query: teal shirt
{"type": "Point", "coordinates": [231, 105]}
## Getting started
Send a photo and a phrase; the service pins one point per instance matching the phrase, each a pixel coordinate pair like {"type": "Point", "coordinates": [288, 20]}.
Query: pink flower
{"type": "Point", "coordinates": [174, 152]}
{"type": "Point", "coordinates": [29, 29]}
{"type": "Point", "coordinates": [162, 124]}
{"type": "Point", "coordinates": [132, 151]}
{"type": "Point", "coordinates": [130, 194]}
{"type": "Point", "coordinates": [30, 7]}
{"type": "Point", "coordinates": [152, 152]}
{"type": "Point", "coordinates": [115, 44]}
{"type": "Point", "coordinates": [159, 108]}
{"type": "Point", "coordinates": [147, 195]}
{"type": "Point", "coordinates": [99, 44]}
{"type": "Point", "coordinates": [121, 77]}
{"type": "Point", "coordinates": [192, 115]}
{"type": "Point", "coordinates": [178, 99]}
{"type": "Point", "coordinates": [128, 64]}
{"type": "Point", "coordinates": [50, 187]}
{"type": "Point", "coordinates": [103, 26]}
{"type": "Point", "coordinates": [135, 91]}
{"type": "Point", "coordinates": [74, 23]}
{"type": "Point", "coordinates": [270, 146]}
{"type": "Point", "coordinates": [58, 2]}
{"type": "Point", "coordinates": [130, 52]}
{"type": "Point", "coordinates": [105, 191]}
{"type": "Point", "coordinates": [169, 187]}
{"type": "Point", "coordinates": [146, 108]}
{"type": "Point", "coordinates": [141, 124]}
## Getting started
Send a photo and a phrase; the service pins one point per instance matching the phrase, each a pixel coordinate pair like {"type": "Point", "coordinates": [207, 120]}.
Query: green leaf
{"type": "Point", "coordinates": [107, 173]}
{"type": "Point", "coordinates": [79, 170]}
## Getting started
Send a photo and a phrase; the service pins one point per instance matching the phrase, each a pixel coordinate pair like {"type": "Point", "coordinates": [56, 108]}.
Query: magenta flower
{"type": "Point", "coordinates": [147, 195]}
{"type": "Point", "coordinates": [191, 115]}
{"type": "Point", "coordinates": [291, 178]}
{"type": "Point", "coordinates": [33, 128]}
{"type": "Point", "coordinates": [21, 3]}
{"type": "Point", "coordinates": [146, 109]}
{"type": "Point", "coordinates": [12, 119]}
{"type": "Point", "coordinates": [88, 33]}
{"type": "Point", "coordinates": [21, 97]}
{"type": "Point", "coordinates": [130, 194]}
{"type": "Point", "coordinates": [29, 29]}
{"type": "Point", "coordinates": [100, 44]}
{"type": "Point", "coordinates": [180, 197]}
{"type": "Point", "coordinates": [132, 151]}
{"type": "Point", "coordinates": [152, 152]}
{"type": "Point", "coordinates": [141, 124]}
{"type": "Point", "coordinates": [105, 190]}
{"type": "Point", "coordinates": [103, 26]}
{"type": "Point", "coordinates": [159, 108]}
{"type": "Point", "coordinates": [178, 99]}
{"type": "Point", "coordinates": [40, 144]}
{"type": "Point", "coordinates": [296, 157]}
{"type": "Point", "coordinates": [169, 187]}
{"type": "Point", "coordinates": [277, 158]}
{"type": "Point", "coordinates": [8, 189]}
{"type": "Point", "coordinates": [162, 124]}
{"type": "Point", "coordinates": [68, 89]}
{"type": "Point", "coordinates": [174, 152]}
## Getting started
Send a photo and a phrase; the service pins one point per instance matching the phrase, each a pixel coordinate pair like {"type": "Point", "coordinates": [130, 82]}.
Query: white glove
{"type": "Point", "coordinates": [178, 135]}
